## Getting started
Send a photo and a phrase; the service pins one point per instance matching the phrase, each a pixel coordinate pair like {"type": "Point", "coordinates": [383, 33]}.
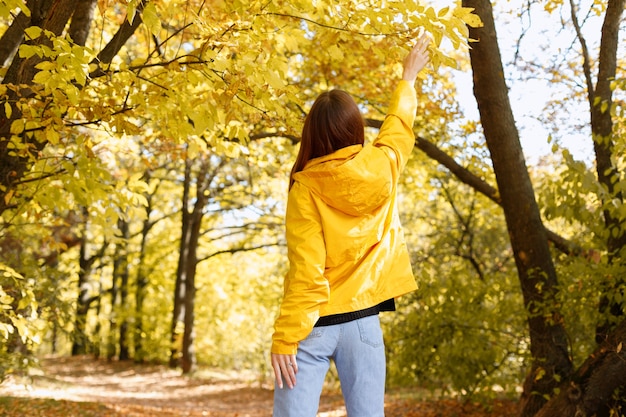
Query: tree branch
{"type": "Point", "coordinates": [316, 23]}
{"type": "Point", "coordinates": [585, 53]}
{"type": "Point", "coordinates": [235, 250]}
{"type": "Point", "coordinates": [124, 33]}
{"type": "Point", "coordinates": [466, 177]}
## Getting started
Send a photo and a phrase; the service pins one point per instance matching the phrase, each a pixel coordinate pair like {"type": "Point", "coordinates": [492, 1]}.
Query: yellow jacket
{"type": "Point", "coordinates": [345, 243]}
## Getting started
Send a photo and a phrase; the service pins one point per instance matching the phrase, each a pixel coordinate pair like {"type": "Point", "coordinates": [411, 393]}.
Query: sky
{"type": "Point", "coordinates": [543, 39]}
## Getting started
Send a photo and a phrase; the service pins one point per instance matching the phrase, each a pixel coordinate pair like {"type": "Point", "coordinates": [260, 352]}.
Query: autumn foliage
{"type": "Point", "coordinates": [145, 148]}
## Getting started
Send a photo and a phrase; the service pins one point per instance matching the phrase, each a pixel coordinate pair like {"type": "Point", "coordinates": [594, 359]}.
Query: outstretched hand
{"type": "Point", "coordinates": [417, 59]}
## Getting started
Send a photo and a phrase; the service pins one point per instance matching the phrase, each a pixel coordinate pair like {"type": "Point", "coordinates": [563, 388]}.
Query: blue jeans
{"type": "Point", "coordinates": [358, 351]}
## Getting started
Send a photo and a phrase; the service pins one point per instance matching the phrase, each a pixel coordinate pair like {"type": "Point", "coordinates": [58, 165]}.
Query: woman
{"type": "Point", "coordinates": [347, 255]}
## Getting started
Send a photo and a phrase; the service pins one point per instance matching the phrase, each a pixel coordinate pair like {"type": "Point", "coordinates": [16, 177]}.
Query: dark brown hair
{"type": "Point", "coordinates": [334, 122]}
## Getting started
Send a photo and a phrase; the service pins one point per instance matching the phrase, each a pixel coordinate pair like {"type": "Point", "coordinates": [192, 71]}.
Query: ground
{"type": "Point", "coordinates": [82, 386]}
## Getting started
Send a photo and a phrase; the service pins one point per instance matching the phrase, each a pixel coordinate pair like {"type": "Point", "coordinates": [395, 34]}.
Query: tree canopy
{"type": "Point", "coordinates": [144, 152]}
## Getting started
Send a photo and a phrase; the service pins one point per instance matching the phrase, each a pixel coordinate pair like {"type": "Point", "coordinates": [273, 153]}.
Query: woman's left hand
{"type": "Point", "coordinates": [417, 59]}
{"type": "Point", "coordinates": [285, 367]}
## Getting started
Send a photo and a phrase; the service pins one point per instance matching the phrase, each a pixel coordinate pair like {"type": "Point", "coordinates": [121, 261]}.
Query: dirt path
{"type": "Point", "coordinates": [145, 390]}
{"type": "Point", "coordinates": [129, 390]}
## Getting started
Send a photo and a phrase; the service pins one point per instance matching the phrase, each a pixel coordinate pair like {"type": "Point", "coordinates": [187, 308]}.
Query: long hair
{"type": "Point", "coordinates": [334, 122]}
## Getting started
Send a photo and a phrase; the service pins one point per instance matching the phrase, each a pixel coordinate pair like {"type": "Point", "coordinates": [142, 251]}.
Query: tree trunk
{"type": "Point", "coordinates": [599, 378]}
{"type": "Point", "coordinates": [126, 30]}
{"type": "Point", "coordinates": [51, 15]}
{"type": "Point", "coordinates": [111, 350]}
{"type": "Point", "coordinates": [14, 35]}
{"type": "Point", "coordinates": [22, 70]}
{"type": "Point", "coordinates": [590, 390]}
{"type": "Point", "coordinates": [191, 235]}
{"type": "Point", "coordinates": [80, 340]}
{"type": "Point", "coordinates": [81, 21]}
{"type": "Point", "coordinates": [124, 275]}
{"type": "Point", "coordinates": [548, 340]}
{"type": "Point", "coordinates": [79, 334]}
{"type": "Point", "coordinates": [188, 363]}
{"type": "Point", "coordinates": [96, 346]}
{"type": "Point", "coordinates": [178, 311]}
{"type": "Point", "coordinates": [600, 102]}
{"type": "Point", "coordinates": [202, 186]}
{"type": "Point", "coordinates": [142, 283]}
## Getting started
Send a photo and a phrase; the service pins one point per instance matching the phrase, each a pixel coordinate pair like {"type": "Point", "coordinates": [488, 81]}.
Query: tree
{"type": "Point", "coordinates": [85, 299]}
{"type": "Point", "coordinates": [194, 208]}
{"type": "Point", "coordinates": [217, 80]}
{"type": "Point", "coordinates": [600, 99]}
{"type": "Point", "coordinates": [215, 189]}
{"type": "Point", "coordinates": [548, 339]}
{"type": "Point", "coordinates": [207, 77]}
{"type": "Point", "coordinates": [549, 345]}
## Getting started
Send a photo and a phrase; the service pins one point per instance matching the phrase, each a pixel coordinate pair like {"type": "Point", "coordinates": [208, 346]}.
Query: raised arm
{"type": "Point", "coordinates": [396, 134]}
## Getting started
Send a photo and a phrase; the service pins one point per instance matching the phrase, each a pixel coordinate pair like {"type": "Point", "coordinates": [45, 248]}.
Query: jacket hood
{"type": "Point", "coordinates": [355, 180]}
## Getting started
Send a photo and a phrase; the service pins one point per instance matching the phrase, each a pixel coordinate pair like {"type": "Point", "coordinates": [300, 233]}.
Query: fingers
{"type": "Point", "coordinates": [277, 374]}
{"type": "Point", "coordinates": [417, 58]}
{"type": "Point", "coordinates": [289, 368]}
{"type": "Point", "coordinates": [285, 369]}
{"type": "Point", "coordinates": [421, 46]}
{"type": "Point", "coordinates": [423, 41]}
{"type": "Point", "coordinates": [293, 364]}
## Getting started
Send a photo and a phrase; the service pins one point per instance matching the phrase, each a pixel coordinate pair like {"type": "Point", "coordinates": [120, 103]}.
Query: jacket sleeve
{"type": "Point", "coordinates": [306, 288]}
{"type": "Point", "coordinates": [396, 135]}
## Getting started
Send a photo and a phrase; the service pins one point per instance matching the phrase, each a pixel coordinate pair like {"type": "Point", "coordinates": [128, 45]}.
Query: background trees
{"type": "Point", "coordinates": [548, 338]}
{"type": "Point", "coordinates": [144, 147]}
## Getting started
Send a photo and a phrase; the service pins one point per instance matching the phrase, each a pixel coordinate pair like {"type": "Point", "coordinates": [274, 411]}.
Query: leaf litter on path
{"type": "Point", "coordinates": [86, 387]}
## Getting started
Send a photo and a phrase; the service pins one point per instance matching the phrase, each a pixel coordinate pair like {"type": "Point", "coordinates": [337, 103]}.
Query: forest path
{"type": "Point", "coordinates": [85, 387]}
{"type": "Point", "coordinates": [152, 390]}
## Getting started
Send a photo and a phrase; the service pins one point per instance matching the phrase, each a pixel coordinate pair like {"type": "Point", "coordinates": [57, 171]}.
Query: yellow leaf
{"type": "Point", "coordinates": [274, 80]}
{"type": "Point", "coordinates": [46, 65]}
{"type": "Point", "coordinates": [335, 52]}
{"type": "Point", "coordinates": [430, 14]}
{"type": "Point", "coordinates": [466, 14]}
{"type": "Point", "coordinates": [151, 19]}
{"type": "Point", "coordinates": [42, 77]}
{"type": "Point", "coordinates": [137, 62]}
{"type": "Point", "coordinates": [32, 32]}
{"type": "Point", "coordinates": [8, 196]}
{"type": "Point", "coordinates": [26, 51]}
{"type": "Point", "coordinates": [17, 127]}
{"type": "Point", "coordinates": [6, 329]}
{"type": "Point", "coordinates": [52, 136]}
{"type": "Point", "coordinates": [540, 373]}
{"type": "Point", "coordinates": [604, 106]}
{"type": "Point", "coordinates": [8, 110]}
{"type": "Point", "coordinates": [473, 21]}
{"type": "Point", "coordinates": [619, 347]}
{"type": "Point", "coordinates": [450, 62]}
